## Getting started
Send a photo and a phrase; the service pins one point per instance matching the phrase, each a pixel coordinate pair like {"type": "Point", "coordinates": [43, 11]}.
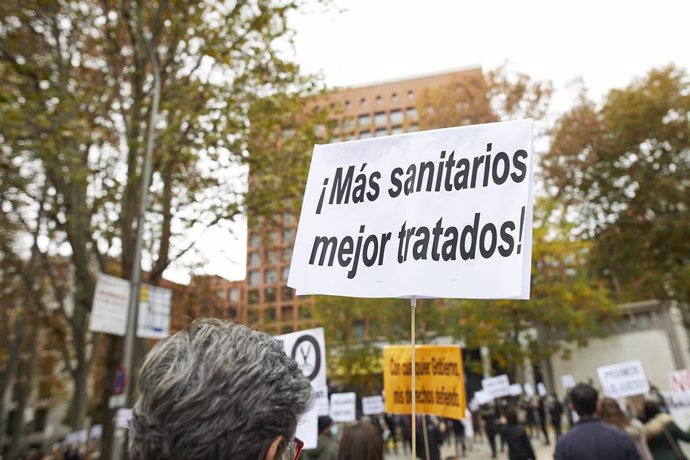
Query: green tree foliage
{"type": "Point", "coordinates": [76, 85]}
{"type": "Point", "coordinates": [623, 169]}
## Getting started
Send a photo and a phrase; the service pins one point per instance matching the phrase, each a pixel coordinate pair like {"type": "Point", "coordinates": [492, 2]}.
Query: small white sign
{"type": "Point", "coordinates": [154, 312]}
{"type": "Point", "coordinates": [308, 348]}
{"type": "Point", "coordinates": [482, 397]}
{"type": "Point", "coordinates": [529, 390]}
{"type": "Point", "coordinates": [623, 379]}
{"type": "Point", "coordinates": [116, 401]}
{"type": "Point", "coordinates": [497, 387]}
{"type": "Point", "coordinates": [568, 381]}
{"type": "Point", "coordinates": [441, 213]}
{"type": "Point", "coordinates": [343, 408]}
{"type": "Point", "coordinates": [515, 389]}
{"type": "Point", "coordinates": [541, 390]}
{"type": "Point", "coordinates": [110, 303]}
{"type": "Point", "coordinates": [679, 408]}
{"type": "Point", "coordinates": [680, 380]}
{"type": "Point", "coordinates": [123, 417]}
{"type": "Point", "coordinates": [373, 405]}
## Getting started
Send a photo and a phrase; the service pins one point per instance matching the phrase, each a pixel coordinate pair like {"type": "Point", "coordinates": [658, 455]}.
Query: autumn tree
{"type": "Point", "coordinates": [76, 86]}
{"type": "Point", "coordinates": [622, 168]}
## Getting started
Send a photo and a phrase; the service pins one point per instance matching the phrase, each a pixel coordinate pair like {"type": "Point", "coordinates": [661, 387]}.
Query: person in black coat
{"type": "Point", "coordinates": [541, 410]}
{"type": "Point", "coordinates": [519, 446]}
{"type": "Point", "coordinates": [556, 414]}
{"type": "Point", "coordinates": [433, 439]}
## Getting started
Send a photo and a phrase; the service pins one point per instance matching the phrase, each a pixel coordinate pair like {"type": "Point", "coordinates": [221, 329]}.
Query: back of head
{"type": "Point", "coordinates": [216, 390]}
{"type": "Point", "coordinates": [651, 409]}
{"type": "Point", "coordinates": [511, 416]}
{"type": "Point", "coordinates": [361, 441]}
{"type": "Point", "coordinates": [610, 412]}
{"type": "Point", "coordinates": [584, 397]}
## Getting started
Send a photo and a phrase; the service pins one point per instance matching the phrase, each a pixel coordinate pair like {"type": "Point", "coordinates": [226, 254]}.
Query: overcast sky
{"type": "Point", "coordinates": [607, 43]}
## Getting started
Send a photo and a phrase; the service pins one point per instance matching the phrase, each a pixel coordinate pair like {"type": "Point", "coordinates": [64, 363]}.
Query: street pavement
{"type": "Point", "coordinates": [480, 450]}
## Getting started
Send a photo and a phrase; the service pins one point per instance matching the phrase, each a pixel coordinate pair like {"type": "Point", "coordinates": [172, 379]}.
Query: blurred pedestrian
{"type": "Point", "coordinates": [541, 411]}
{"type": "Point", "coordinates": [610, 412]}
{"type": "Point", "coordinates": [218, 390]}
{"type": "Point", "coordinates": [662, 433]}
{"type": "Point", "coordinates": [361, 441]}
{"type": "Point", "coordinates": [459, 434]}
{"type": "Point", "coordinates": [429, 438]}
{"type": "Point", "coordinates": [519, 445]}
{"type": "Point", "coordinates": [530, 417]}
{"type": "Point", "coordinates": [556, 415]}
{"type": "Point", "coordinates": [590, 438]}
{"type": "Point", "coordinates": [488, 414]}
{"type": "Point", "coordinates": [326, 445]}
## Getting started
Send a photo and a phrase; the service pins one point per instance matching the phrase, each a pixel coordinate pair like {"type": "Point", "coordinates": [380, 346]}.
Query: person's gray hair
{"type": "Point", "coordinates": [216, 390]}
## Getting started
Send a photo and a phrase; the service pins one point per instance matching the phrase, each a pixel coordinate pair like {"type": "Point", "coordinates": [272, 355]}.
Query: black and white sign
{"type": "Point", "coordinates": [308, 349]}
{"type": "Point", "coordinates": [497, 387]}
{"type": "Point", "coordinates": [109, 308]}
{"type": "Point", "coordinates": [373, 405]}
{"type": "Point", "coordinates": [343, 408]}
{"type": "Point", "coordinates": [623, 379]}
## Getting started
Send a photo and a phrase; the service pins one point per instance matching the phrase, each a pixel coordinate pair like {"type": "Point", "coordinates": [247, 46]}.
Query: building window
{"type": "Point", "coordinates": [394, 97]}
{"type": "Point", "coordinates": [287, 293]}
{"type": "Point", "coordinates": [254, 278]}
{"type": "Point", "coordinates": [320, 130]}
{"type": "Point", "coordinates": [273, 237]}
{"type": "Point", "coordinates": [220, 293]}
{"type": "Point", "coordinates": [349, 124]}
{"type": "Point", "coordinates": [380, 119]}
{"type": "Point", "coordinates": [285, 273]}
{"type": "Point", "coordinates": [287, 255]}
{"type": "Point", "coordinates": [253, 296]}
{"type": "Point", "coordinates": [347, 103]}
{"type": "Point", "coordinates": [365, 134]}
{"type": "Point", "coordinates": [358, 329]}
{"type": "Point", "coordinates": [255, 241]}
{"type": "Point", "coordinates": [363, 101]}
{"type": "Point", "coordinates": [270, 276]}
{"type": "Point", "coordinates": [410, 94]}
{"type": "Point", "coordinates": [253, 316]}
{"type": "Point", "coordinates": [286, 312]}
{"type": "Point", "coordinates": [271, 257]}
{"type": "Point", "coordinates": [254, 259]}
{"type": "Point", "coordinates": [396, 130]}
{"type": "Point", "coordinates": [379, 100]}
{"type": "Point", "coordinates": [270, 294]}
{"type": "Point", "coordinates": [288, 235]}
{"type": "Point", "coordinates": [232, 313]}
{"type": "Point", "coordinates": [234, 295]}
{"type": "Point", "coordinates": [411, 114]}
{"type": "Point", "coordinates": [396, 117]}
{"type": "Point", "coordinates": [364, 121]}
{"type": "Point", "coordinates": [305, 312]}
{"type": "Point", "coordinates": [413, 127]}
{"type": "Point", "coordinates": [381, 132]}
{"type": "Point", "coordinates": [288, 218]}
{"type": "Point", "coordinates": [40, 420]}
{"type": "Point", "coordinates": [270, 314]}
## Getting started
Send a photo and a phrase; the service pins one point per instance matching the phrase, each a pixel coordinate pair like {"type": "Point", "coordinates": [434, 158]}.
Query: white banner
{"type": "Point", "coordinates": [343, 408]}
{"type": "Point", "coordinates": [373, 405]}
{"type": "Point", "coordinates": [623, 379]}
{"type": "Point", "coordinates": [679, 408]}
{"type": "Point", "coordinates": [515, 389]}
{"type": "Point", "coordinates": [110, 303]}
{"type": "Point", "coordinates": [308, 349]}
{"type": "Point", "coordinates": [443, 213]}
{"type": "Point", "coordinates": [680, 380]}
{"type": "Point", "coordinates": [497, 387]}
{"type": "Point", "coordinates": [568, 381]}
{"type": "Point", "coordinates": [154, 312]}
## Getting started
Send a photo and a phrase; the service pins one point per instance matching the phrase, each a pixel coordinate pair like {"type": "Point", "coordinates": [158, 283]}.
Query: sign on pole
{"type": "Point", "coordinates": [154, 312]}
{"type": "Point", "coordinates": [679, 408]}
{"type": "Point", "coordinates": [373, 405]}
{"type": "Point", "coordinates": [623, 379]}
{"type": "Point", "coordinates": [442, 213]}
{"type": "Point", "coordinates": [680, 380]}
{"type": "Point", "coordinates": [439, 376]}
{"type": "Point", "coordinates": [497, 387]}
{"type": "Point", "coordinates": [343, 408]}
{"type": "Point", "coordinates": [308, 349]}
{"type": "Point", "coordinates": [109, 308]}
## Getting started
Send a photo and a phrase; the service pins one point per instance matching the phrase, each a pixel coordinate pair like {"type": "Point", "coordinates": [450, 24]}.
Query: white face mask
{"type": "Point", "coordinates": [334, 431]}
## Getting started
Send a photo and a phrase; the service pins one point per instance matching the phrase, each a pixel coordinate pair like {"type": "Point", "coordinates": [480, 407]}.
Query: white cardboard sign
{"type": "Point", "coordinates": [110, 303]}
{"type": "Point", "coordinates": [679, 408]}
{"type": "Point", "coordinates": [373, 405]}
{"type": "Point", "coordinates": [515, 389]}
{"type": "Point", "coordinates": [680, 380]}
{"type": "Point", "coordinates": [343, 408]}
{"type": "Point", "coordinates": [442, 213]}
{"type": "Point", "coordinates": [482, 397]}
{"type": "Point", "coordinates": [623, 379]}
{"type": "Point", "coordinates": [154, 312]}
{"type": "Point", "coordinates": [529, 390]}
{"type": "Point", "coordinates": [321, 400]}
{"type": "Point", "coordinates": [497, 387]}
{"type": "Point", "coordinates": [568, 381]}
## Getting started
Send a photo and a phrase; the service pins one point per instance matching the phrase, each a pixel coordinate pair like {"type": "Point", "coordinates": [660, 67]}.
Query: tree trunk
{"type": "Point", "coordinates": [13, 358]}
{"type": "Point", "coordinates": [24, 387]}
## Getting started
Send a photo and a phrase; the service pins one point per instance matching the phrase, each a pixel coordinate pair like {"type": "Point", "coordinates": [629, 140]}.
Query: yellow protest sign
{"type": "Point", "coordinates": [440, 387]}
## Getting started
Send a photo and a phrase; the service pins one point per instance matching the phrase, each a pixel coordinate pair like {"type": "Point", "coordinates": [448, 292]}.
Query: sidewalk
{"type": "Point", "coordinates": [480, 450]}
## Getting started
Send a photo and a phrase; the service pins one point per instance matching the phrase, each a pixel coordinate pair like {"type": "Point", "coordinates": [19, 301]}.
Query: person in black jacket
{"type": "Point", "coordinates": [519, 446]}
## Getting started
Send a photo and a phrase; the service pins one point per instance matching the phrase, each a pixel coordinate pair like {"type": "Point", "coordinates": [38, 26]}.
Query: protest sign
{"type": "Point", "coordinates": [482, 397]}
{"type": "Point", "coordinates": [497, 387]}
{"type": "Point", "coordinates": [343, 407]}
{"type": "Point", "coordinates": [123, 418]}
{"type": "Point", "coordinates": [679, 408]}
{"type": "Point", "coordinates": [308, 349]}
{"type": "Point", "coordinates": [541, 390]}
{"type": "Point", "coordinates": [372, 405]}
{"type": "Point", "coordinates": [440, 388]}
{"type": "Point", "coordinates": [515, 389]}
{"type": "Point", "coordinates": [109, 307]}
{"type": "Point", "coordinates": [529, 390]}
{"type": "Point", "coordinates": [568, 381]}
{"type": "Point", "coordinates": [680, 380]}
{"type": "Point", "coordinates": [154, 312]}
{"type": "Point", "coordinates": [623, 379]}
{"type": "Point", "coordinates": [442, 213]}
